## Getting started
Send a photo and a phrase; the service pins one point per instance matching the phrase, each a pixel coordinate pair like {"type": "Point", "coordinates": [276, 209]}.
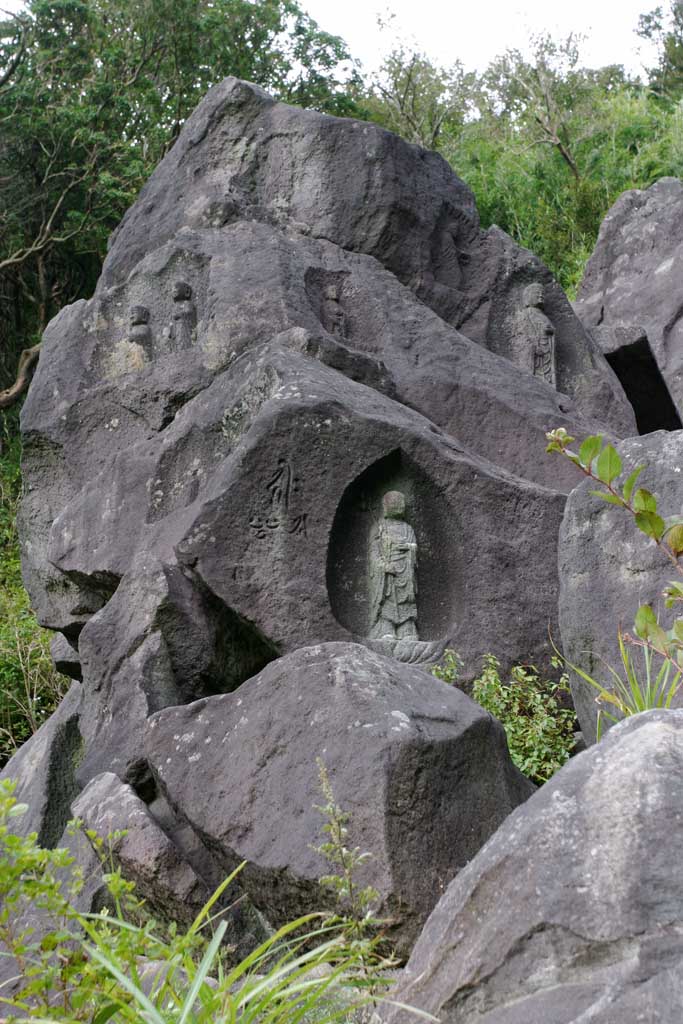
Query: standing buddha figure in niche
{"type": "Point", "coordinates": [539, 334]}
{"type": "Point", "coordinates": [393, 573]}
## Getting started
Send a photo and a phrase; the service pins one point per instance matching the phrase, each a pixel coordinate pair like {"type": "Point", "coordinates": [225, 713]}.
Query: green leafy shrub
{"type": "Point", "coordinates": [30, 688]}
{"type": "Point", "coordinates": [108, 966]}
{"type": "Point", "coordinates": [539, 729]}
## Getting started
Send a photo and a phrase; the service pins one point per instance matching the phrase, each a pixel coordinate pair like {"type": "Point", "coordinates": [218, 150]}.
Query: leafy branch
{"type": "Point", "coordinates": [632, 692]}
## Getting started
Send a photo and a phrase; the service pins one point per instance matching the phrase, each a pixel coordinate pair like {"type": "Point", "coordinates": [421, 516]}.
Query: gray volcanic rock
{"type": "Point", "coordinates": [573, 911]}
{"type": "Point", "coordinates": [244, 532]}
{"type": "Point", "coordinates": [208, 441]}
{"type": "Point", "coordinates": [634, 274]}
{"type": "Point", "coordinates": [65, 657]}
{"type": "Point", "coordinates": [608, 568]}
{"type": "Point", "coordinates": [243, 157]}
{"type": "Point", "coordinates": [44, 770]}
{"type": "Point", "coordinates": [163, 878]}
{"type": "Point", "coordinates": [174, 879]}
{"type": "Point", "coordinates": [494, 276]}
{"type": "Point", "coordinates": [422, 770]}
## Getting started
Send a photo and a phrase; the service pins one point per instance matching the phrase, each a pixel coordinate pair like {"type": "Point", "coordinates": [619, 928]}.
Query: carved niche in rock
{"type": "Point", "coordinates": [391, 569]}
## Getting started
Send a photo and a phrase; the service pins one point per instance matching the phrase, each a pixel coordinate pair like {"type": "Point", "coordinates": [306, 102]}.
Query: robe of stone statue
{"type": "Point", "coordinates": [537, 335]}
{"type": "Point", "coordinates": [393, 581]}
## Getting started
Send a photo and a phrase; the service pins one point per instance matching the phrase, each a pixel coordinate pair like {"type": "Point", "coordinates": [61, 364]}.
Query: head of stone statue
{"type": "Point", "coordinates": [182, 291]}
{"type": "Point", "coordinates": [394, 505]}
{"type": "Point", "coordinates": [332, 292]}
{"type": "Point", "coordinates": [533, 295]}
{"type": "Point", "coordinates": [138, 315]}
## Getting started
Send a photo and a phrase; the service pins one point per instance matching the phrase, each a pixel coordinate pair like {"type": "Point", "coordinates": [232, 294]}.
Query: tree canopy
{"type": "Point", "coordinates": [94, 92]}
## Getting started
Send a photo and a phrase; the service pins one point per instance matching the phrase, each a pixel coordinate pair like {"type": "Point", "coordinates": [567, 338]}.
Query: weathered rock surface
{"type": "Point", "coordinates": [163, 878]}
{"type": "Point", "coordinates": [608, 568]}
{"type": "Point", "coordinates": [172, 887]}
{"type": "Point", "coordinates": [209, 440]}
{"type": "Point", "coordinates": [253, 209]}
{"type": "Point", "coordinates": [422, 770]}
{"type": "Point", "coordinates": [44, 770]}
{"type": "Point", "coordinates": [245, 157]}
{"type": "Point", "coordinates": [632, 280]}
{"type": "Point", "coordinates": [65, 657]}
{"type": "Point", "coordinates": [573, 911]}
{"type": "Point", "coordinates": [628, 351]}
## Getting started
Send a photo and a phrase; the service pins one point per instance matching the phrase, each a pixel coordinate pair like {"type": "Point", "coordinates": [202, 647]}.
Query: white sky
{"type": "Point", "coordinates": [475, 32]}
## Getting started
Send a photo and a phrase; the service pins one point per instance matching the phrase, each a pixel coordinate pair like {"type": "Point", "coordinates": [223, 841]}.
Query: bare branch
{"type": "Point", "coordinates": [16, 59]}
{"type": "Point", "coordinates": [45, 236]}
{"type": "Point", "coordinates": [27, 362]}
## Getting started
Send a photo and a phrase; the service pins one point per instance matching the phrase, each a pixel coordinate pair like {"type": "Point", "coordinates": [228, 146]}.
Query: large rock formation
{"type": "Point", "coordinates": [208, 440]}
{"type": "Point", "coordinates": [631, 296]}
{"type": "Point", "coordinates": [422, 770]}
{"type": "Point", "coordinates": [263, 431]}
{"type": "Point", "coordinates": [608, 568]}
{"type": "Point", "coordinates": [573, 911]}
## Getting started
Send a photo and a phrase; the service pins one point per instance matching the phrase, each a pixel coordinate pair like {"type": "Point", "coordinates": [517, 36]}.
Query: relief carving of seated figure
{"type": "Point", "coordinates": [393, 574]}
{"type": "Point", "coordinates": [139, 331]}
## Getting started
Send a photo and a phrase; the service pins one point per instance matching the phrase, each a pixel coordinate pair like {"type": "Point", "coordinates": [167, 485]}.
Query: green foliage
{"type": "Point", "coordinates": [545, 144]}
{"type": "Point", "coordinates": [92, 94]}
{"type": "Point", "coordinates": [417, 99]}
{"type": "Point", "coordinates": [30, 688]}
{"type": "Point", "coordinates": [666, 78]}
{"type": "Point", "coordinates": [355, 903]}
{"type": "Point", "coordinates": [539, 728]}
{"type": "Point", "coordinates": [450, 670]}
{"type": "Point", "coordinates": [96, 967]}
{"type": "Point", "coordinates": [634, 689]}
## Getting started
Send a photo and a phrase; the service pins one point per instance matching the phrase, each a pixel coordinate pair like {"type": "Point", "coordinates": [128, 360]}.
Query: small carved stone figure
{"type": "Point", "coordinates": [393, 574]}
{"type": "Point", "coordinates": [334, 318]}
{"type": "Point", "coordinates": [184, 316]}
{"type": "Point", "coordinates": [139, 332]}
{"type": "Point", "coordinates": [450, 258]}
{"type": "Point", "coordinates": [539, 334]}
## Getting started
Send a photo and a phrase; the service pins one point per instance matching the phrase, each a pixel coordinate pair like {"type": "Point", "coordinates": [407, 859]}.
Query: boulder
{"type": "Point", "coordinates": [423, 772]}
{"type": "Point", "coordinates": [632, 282]}
{"type": "Point", "coordinates": [44, 770]}
{"type": "Point", "coordinates": [573, 911]}
{"type": "Point", "coordinates": [163, 878]}
{"type": "Point", "coordinates": [244, 531]}
{"type": "Point", "coordinates": [264, 430]}
{"type": "Point", "coordinates": [608, 568]}
{"type": "Point", "coordinates": [251, 227]}
{"type": "Point", "coordinates": [173, 888]}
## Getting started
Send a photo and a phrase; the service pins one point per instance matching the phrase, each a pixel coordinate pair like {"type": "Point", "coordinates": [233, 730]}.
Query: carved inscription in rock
{"type": "Point", "coordinates": [277, 512]}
